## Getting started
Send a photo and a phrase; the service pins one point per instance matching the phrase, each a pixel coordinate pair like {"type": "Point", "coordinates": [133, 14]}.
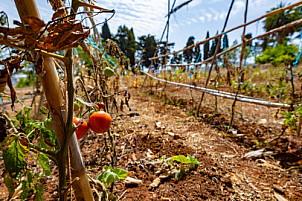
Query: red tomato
{"type": "Point", "coordinates": [82, 129]}
{"type": "Point", "coordinates": [100, 121]}
{"type": "Point", "coordinates": [46, 105]}
{"type": "Point", "coordinates": [101, 105]}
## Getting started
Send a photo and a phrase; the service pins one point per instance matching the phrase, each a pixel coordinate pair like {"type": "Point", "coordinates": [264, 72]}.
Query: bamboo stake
{"type": "Point", "coordinates": [286, 26]}
{"type": "Point", "coordinates": [54, 96]}
{"type": "Point", "coordinates": [214, 56]}
{"type": "Point", "coordinates": [240, 69]}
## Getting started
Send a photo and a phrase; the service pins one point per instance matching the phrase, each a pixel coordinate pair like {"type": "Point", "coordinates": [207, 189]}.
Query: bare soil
{"type": "Point", "coordinates": [224, 172]}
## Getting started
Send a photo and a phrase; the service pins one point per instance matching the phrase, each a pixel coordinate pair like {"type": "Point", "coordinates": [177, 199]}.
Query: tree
{"type": "Point", "coordinates": [225, 43]}
{"type": "Point", "coordinates": [248, 36]}
{"type": "Point", "coordinates": [247, 48]}
{"type": "Point", "coordinates": [147, 45]}
{"type": "Point", "coordinates": [132, 47]}
{"type": "Point", "coordinates": [106, 31]}
{"type": "Point", "coordinates": [196, 54]}
{"type": "Point", "coordinates": [176, 59]}
{"type": "Point", "coordinates": [188, 54]}
{"type": "Point", "coordinates": [214, 45]}
{"type": "Point", "coordinates": [206, 47]}
{"type": "Point", "coordinates": [233, 55]}
{"type": "Point", "coordinates": [126, 41]}
{"type": "Point", "coordinates": [281, 19]}
{"type": "Point", "coordinates": [164, 49]}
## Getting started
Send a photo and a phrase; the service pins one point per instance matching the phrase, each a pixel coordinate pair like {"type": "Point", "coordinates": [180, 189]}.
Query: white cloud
{"type": "Point", "coordinates": [238, 6]}
{"type": "Point", "coordinates": [208, 16]}
{"type": "Point", "coordinates": [146, 16]}
{"type": "Point", "coordinates": [202, 18]}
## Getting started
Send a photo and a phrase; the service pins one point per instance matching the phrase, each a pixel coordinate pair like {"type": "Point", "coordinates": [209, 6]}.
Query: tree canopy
{"type": "Point", "coordinates": [206, 48]}
{"type": "Point", "coordinates": [126, 41]}
{"type": "Point", "coordinates": [280, 19]}
{"type": "Point", "coordinates": [106, 31]}
{"type": "Point", "coordinates": [188, 54]}
{"type": "Point", "coordinates": [147, 45]}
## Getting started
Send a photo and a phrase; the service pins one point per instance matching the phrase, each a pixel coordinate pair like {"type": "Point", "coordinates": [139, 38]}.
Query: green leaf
{"type": "Point", "coordinates": [43, 158]}
{"type": "Point", "coordinates": [14, 155]}
{"type": "Point", "coordinates": [39, 192]}
{"type": "Point", "coordinates": [51, 136]}
{"type": "Point", "coordinates": [44, 162]}
{"type": "Point", "coordinates": [186, 160]}
{"type": "Point", "coordinates": [112, 175]}
{"type": "Point", "coordinates": [26, 185]}
{"type": "Point", "coordinates": [25, 189]}
{"type": "Point", "coordinates": [10, 184]}
{"type": "Point", "coordinates": [120, 172]}
{"type": "Point", "coordinates": [193, 160]}
{"type": "Point", "coordinates": [181, 159]}
{"type": "Point", "coordinates": [108, 177]}
{"type": "Point", "coordinates": [26, 123]}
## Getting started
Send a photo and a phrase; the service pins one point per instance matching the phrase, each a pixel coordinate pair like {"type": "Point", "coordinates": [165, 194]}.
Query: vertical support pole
{"type": "Point", "coordinates": [214, 56]}
{"type": "Point", "coordinates": [54, 96]}
{"type": "Point", "coordinates": [240, 69]}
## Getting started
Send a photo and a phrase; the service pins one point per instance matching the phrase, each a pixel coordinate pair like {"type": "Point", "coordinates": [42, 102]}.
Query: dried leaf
{"type": "Point", "coordinates": [132, 181]}
{"type": "Point", "coordinates": [35, 23]}
{"type": "Point", "coordinates": [18, 38]}
{"type": "Point", "coordinates": [279, 197]}
{"type": "Point", "coordinates": [122, 104]}
{"type": "Point", "coordinates": [59, 13]}
{"type": "Point", "coordinates": [65, 35]}
{"type": "Point", "coordinates": [254, 154]}
{"type": "Point", "coordinates": [12, 91]}
{"type": "Point", "coordinates": [13, 63]}
{"type": "Point", "coordinates": [16, 31]}
{"type": "Point", "coordinates": [38, 65]}
{"type": "Point", "coordinates": [30, 41]}
{"type": "Point", "coordinates": [3, 79]}
{"type": "Point", "coordinates": [3, 132]}
{"type": "Point", "coordinates": [155, 183]}
{"type": "Point", "coordinates": [16, 22]}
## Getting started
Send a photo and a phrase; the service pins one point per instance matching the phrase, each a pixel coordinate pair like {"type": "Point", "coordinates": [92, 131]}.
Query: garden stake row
{"type": "Point", "coordinates": [240, 70]}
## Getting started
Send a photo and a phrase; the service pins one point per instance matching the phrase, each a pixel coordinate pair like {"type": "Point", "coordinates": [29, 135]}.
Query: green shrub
{"type": "Point", "coordinates": [278, 55]}
{"type": "Point", "coordinates": [26, 82]}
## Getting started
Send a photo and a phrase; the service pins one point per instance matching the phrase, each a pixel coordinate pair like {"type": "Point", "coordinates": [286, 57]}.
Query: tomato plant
{"type": "Point", "coordinates": [100, 121]}
{"type": "Point", "coordinates": [16, 147]}
{"type": "Point", "coordinates": [82, 130]}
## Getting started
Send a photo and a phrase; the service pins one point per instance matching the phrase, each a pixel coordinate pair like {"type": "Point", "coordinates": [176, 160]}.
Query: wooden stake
{"type": "Point", "coordinates": [54, 96]}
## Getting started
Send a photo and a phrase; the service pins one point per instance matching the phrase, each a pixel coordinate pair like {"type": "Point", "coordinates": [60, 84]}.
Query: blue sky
{"type": "Point", "coordinates": [148, 16]}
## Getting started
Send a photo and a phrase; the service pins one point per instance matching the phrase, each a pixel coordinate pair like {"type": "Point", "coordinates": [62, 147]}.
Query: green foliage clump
{"type": "Point", "coordinates": [278, 55]}
{"type": "Point", "coordinates": [15, 152]}
{"type": "Point", "coordinates": [26, 82]}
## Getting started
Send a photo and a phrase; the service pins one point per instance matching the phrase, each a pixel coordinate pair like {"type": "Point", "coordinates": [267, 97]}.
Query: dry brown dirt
{"type": "Point", "coordinates": [224, 173]}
